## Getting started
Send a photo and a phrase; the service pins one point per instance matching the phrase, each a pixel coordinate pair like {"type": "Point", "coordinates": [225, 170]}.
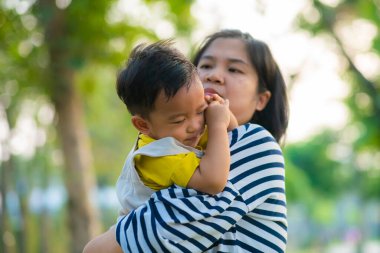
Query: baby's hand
{"type": "Point", "coordinates": [218, 112]}
{"type": "Point", "coordinates": [214, 97]}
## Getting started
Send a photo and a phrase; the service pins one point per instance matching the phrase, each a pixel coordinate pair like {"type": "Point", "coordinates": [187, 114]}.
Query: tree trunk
{"type": "Point", "coordinates": [6, 244]}
{"type": "Point", "coordinates": [7, 236]}
{"type": "Point", "coordinates": [79, 177]}
{"type": "Point", "coordinates": [45, 230]}
{"type": "Point", "coordinates": [22, 194]}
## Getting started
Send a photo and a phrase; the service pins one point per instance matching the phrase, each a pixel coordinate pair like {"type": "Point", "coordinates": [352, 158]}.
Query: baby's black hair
{"type": "Point", "coordinates": [149, 70]}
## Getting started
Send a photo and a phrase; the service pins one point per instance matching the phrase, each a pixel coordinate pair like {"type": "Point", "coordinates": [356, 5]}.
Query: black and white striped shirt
{"type": "Point", "coordinates": [248, 216]}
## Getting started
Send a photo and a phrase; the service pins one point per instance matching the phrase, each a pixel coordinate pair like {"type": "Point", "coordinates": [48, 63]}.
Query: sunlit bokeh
{"type": "Point", "coordinates": [331, 147]}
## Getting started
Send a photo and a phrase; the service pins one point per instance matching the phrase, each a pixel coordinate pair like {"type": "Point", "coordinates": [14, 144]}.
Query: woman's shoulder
{"type": "Point", "coordinates": [251, 127]}
{"type": "Point", "coordinates": [251, 133]}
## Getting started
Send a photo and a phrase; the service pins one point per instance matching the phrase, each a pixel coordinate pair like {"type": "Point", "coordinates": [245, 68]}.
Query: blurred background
{"type": "Point", "coordinates": [64, 134]}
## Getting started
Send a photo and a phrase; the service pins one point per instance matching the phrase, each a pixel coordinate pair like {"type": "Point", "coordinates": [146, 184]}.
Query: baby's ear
{"type": "Point", "coordinates": [140, 124]}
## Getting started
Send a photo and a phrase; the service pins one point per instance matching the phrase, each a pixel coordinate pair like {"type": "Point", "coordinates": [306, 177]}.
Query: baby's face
{"type": "Point", "coordinates": [181, 117]}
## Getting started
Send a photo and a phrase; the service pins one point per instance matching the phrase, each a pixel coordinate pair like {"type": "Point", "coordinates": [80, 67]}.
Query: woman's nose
{"type": "Point", "coordinates": [215, 75]}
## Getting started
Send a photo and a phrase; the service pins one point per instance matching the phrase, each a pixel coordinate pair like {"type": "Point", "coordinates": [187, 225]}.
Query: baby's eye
{"type": "Point", "coordinates": [178, 121]}
{"type": "Point", "coordinates": [201, 112]}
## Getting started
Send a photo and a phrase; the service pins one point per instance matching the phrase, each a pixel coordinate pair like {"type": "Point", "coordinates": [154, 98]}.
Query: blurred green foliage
{"type": "Point", "coordinates": [336, 173]}
{"type": "Point", "coordinates": [46, 48]}
{"type": "Point", "coordinates": [98, 38]}
{"type": "Point", "coordinates": [362, 134]}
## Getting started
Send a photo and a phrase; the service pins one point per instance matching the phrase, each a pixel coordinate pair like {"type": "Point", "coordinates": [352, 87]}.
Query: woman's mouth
{"type": "Point", "coordinates": [210, 91]}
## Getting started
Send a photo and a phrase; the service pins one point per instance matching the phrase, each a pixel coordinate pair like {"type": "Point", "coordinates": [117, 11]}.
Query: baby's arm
{"type": "Point", "coordinates": [233, 121]}
{"type": "Point", "coordinates": [212, 173]}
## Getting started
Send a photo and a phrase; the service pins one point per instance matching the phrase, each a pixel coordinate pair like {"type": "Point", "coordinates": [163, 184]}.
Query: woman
{"type": "Point", "coordinates": [250, 214]}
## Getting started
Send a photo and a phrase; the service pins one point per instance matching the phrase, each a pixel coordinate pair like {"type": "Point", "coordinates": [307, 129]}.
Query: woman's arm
{"type": "Point", "coordinates": [249, 215]}
{"type": "Point", "coordinates": [250, 208]}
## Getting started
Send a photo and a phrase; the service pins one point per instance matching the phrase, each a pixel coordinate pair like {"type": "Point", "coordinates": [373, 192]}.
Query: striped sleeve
{"type": "Point", "coordinates": [248, 216]}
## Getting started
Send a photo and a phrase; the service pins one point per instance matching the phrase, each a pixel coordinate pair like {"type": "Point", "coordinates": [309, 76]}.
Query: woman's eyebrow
{"type": "Point", "coordinates": [231, 60]}
{"type": "Point", "coordinates": [207, 57]}
{"type": "Point", "coordinates": [237, 60]}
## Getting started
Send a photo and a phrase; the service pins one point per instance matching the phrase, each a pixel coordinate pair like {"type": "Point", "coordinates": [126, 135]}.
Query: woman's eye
{"type": "Point", "coordinates": [204, 66]}
{"type": "Point", "coordinates": [234, 70]}
{"type": "Point", "coordinates": [201, 112]}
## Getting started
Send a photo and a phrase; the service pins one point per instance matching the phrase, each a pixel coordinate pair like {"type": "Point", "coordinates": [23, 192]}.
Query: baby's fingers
{"type": "Point", "coordinates": [216, 97]}
{"type": "Point", "coordinates": [227, 102]}
{"type": "Point", "coordinates": [208, 98]}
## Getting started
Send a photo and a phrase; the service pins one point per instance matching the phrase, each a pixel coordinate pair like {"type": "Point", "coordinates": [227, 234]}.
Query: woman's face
{"type": "Point", "coordinates": [225, 69]}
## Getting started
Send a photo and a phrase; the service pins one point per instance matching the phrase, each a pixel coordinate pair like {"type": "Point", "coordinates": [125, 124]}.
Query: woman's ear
{"type": "Point", "coordinates": [263, 100]}
{"type": "Point", "coordinates": [140, 124]}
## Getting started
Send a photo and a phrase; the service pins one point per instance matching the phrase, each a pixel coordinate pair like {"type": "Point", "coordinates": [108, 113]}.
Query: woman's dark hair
{"type": "Point", "coordinates": [274, 117]}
